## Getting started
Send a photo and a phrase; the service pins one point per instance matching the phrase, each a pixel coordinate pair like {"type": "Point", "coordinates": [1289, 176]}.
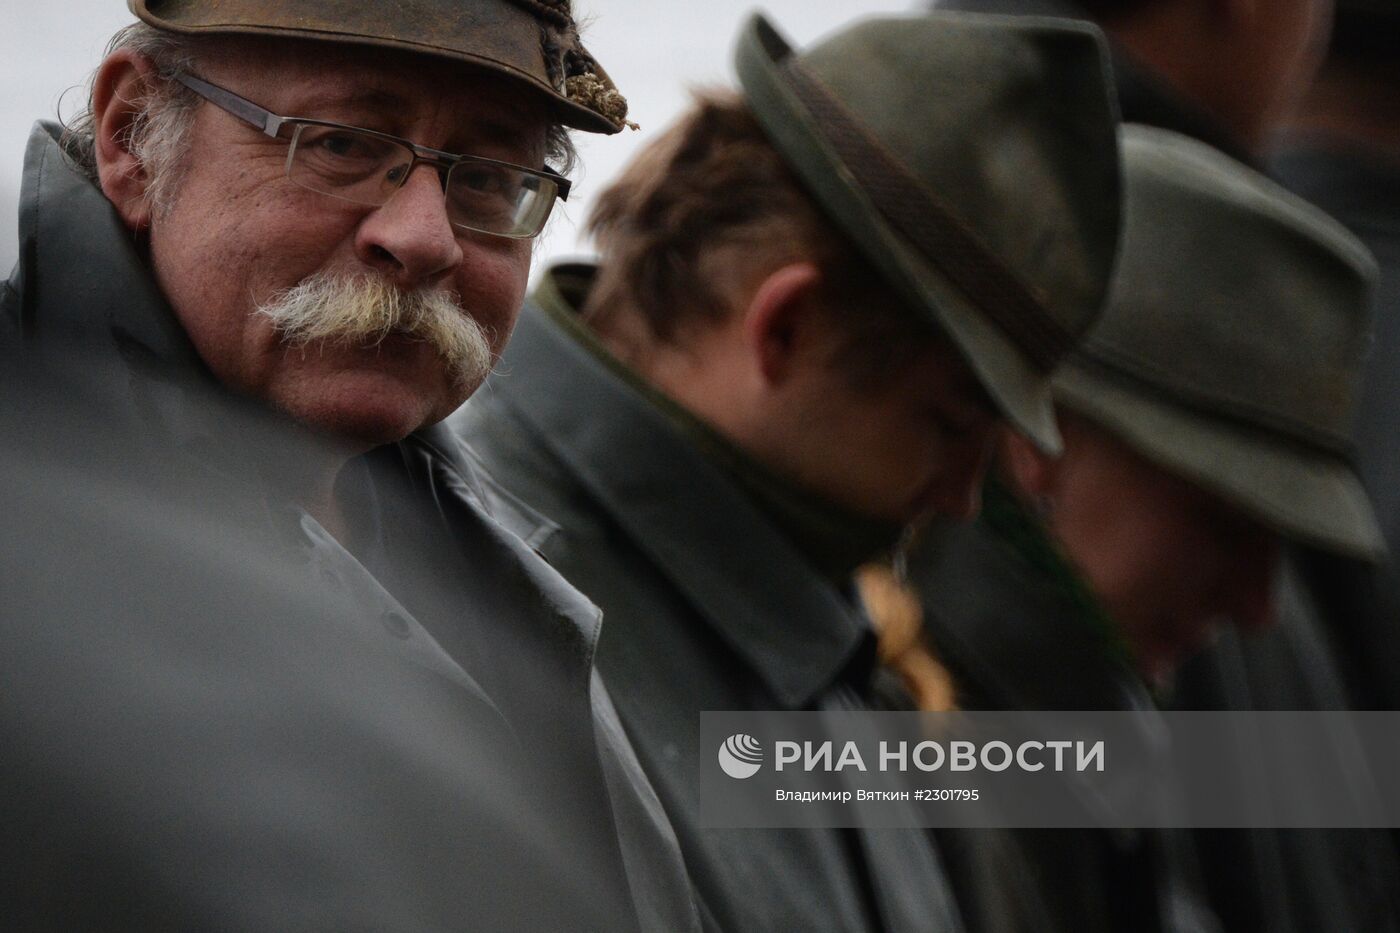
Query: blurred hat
{"type": "Point", "coordinates": [974, 161]}
{"type": "Point", "coordinates": [532, 42]}
{"type": "Point", "coordinates": [1232, 345]}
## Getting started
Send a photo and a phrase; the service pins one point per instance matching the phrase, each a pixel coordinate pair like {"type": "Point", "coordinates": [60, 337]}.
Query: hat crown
{"type": "Point", "coordinates": [1007, 123]}
{"type": "Point", "coordinates": [1234, 296]}
{"type": "Point", "coordinates": [534, 42]}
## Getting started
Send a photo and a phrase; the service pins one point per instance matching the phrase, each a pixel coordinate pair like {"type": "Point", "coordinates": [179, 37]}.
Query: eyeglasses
{"type": "Point", "coordinates": [366, 167]}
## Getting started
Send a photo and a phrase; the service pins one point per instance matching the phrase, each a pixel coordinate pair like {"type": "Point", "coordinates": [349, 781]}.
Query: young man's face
{"type": "Point", "coordinates": [903, 447]}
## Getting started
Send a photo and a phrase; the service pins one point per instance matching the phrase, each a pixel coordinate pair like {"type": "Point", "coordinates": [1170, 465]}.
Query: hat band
{"type": "Point", "coordinates": [912, 209]}
{"type": "Point", "coordinates": [1103, 363]}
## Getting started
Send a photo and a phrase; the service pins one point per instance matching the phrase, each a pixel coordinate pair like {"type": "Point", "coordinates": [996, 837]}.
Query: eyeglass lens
{"type": "Point", "coordinates": [368, 169]}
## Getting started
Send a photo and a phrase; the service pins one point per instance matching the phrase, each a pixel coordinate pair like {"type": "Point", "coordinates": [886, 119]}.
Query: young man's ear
{"type": "Point", "coordinates": [780, 318]}
{"type": "Point", "coordinates": [122, 83]}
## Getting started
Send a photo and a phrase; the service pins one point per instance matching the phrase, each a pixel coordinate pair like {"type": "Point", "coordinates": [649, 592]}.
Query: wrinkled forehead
{"type": "Point", "coordinates": [346, 82]}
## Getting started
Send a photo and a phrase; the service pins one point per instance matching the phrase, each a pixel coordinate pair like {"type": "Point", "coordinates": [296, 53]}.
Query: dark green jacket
{"type": "Point", "coordinates": [218, 717]}
{"type": "Point", "coordinates": [707, 606]}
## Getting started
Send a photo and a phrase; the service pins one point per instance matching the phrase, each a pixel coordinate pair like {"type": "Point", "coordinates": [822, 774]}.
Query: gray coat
{"type": "Point", "coordinates": [706, 607]}
{"type": "Point", "coordinates": [219, 717]}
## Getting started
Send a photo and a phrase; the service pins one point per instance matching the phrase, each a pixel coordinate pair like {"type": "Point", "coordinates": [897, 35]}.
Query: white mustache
{"type": "Point", "coordinates": [364, 310]}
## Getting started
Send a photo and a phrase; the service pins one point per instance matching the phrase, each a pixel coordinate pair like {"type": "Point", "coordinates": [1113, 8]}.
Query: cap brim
{"type": "Point", "coordinates": [1018, 387]}
{"type": "Point", "coordinates": [1306, 494]}
{"type": "Point", "coordinates": [291, 22]}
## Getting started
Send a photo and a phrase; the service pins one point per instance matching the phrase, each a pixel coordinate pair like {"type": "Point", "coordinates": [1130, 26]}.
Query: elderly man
{"type": "Point", "coordinates": [280, 670]}
{"type": "Point", "coordinates": [819, 302]}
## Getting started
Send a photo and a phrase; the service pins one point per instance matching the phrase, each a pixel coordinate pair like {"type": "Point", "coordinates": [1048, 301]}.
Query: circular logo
{"type": "Point", "coordinates": [741, 756]}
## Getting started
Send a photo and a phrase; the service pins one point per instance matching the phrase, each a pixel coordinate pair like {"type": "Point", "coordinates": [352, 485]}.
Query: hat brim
{"type": "Point", "coordinates": [288, 21]}
{"type": "Point", "coordinates": [1020, 389]}
{"type": "Point", "coordinates": [1306, 494]}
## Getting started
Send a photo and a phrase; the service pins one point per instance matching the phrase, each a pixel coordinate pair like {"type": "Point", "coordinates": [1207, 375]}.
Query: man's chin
{"type": "Point", "coordinates": [374, 410]}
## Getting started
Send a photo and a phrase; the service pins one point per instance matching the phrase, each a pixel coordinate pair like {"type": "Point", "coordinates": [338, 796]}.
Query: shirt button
{"type": "Point", "coordinates": [396, 623]}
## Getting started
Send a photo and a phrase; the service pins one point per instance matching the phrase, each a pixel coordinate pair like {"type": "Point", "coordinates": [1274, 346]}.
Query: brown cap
{"type": "Point", "coordinates": [533, 42]}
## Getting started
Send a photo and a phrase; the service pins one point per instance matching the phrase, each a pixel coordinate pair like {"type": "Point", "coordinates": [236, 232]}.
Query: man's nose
{"type": "Point", "coordinates": [409, 237]}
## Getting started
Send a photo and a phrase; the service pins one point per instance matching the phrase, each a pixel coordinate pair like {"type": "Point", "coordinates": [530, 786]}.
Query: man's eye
{"type": "Point", "coordinates": [483, 180]}
{"type": "Point", "coordinates": [344, 146]}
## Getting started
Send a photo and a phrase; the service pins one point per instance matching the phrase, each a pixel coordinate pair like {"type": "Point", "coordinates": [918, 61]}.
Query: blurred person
{"type": "Point", "coordinates": [1206, 419]}
{"type": "Point", "coordinates": [1227, 72]}
{"type": "Point", "coordinates": [282, 670]}
{"type": "Point", "coordinates": [1343, 153]}
{"type": "Point", "coordinates": [819, 302]}
{"type": "Point", "coordinates": [1340, 153]}
{"type": "Point", "coordinates": [1232, 74]}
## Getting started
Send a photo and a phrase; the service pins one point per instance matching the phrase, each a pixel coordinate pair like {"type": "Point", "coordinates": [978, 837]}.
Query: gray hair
{"type": "Point", "coordinates": [159, 133]}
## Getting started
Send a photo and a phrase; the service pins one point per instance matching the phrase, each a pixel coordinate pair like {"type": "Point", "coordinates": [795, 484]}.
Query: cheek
{"type": "Point", "coordinates": [491, 284]}
{"type": "Point", "coordinates": [219, 255]}
{"type": "Point", "coordinates": [1196, 566]}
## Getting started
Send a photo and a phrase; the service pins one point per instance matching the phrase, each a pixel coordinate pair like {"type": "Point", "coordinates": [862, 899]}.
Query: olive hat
{"type": "Point", "coordinates": [533, 42]}
{"type": "Point", "coordinates": [1233, 341]}
{"type": "Point", "coordinates": [973, 160]}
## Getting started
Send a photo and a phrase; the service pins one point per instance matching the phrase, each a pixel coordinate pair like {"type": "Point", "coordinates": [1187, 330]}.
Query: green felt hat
{"type": "Point", "coordinates": [974, 161]}
{"type": "Point", "coordinates": [532, 42]}
{"type": "Point", "coordinates": [1232, 346]}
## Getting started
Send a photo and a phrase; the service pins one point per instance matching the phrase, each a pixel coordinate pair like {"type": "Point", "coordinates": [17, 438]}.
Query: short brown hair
{"type": "Point", "coordinates": [708, 209]}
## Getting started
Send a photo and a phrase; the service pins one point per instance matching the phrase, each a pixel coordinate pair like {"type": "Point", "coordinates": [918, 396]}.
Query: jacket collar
{"type": "Point", "coordinates": [796, 631]}
{"type": "Point", "coordinates": [86, 298]}
{"type": "Point", "coordinates": [81, 273]}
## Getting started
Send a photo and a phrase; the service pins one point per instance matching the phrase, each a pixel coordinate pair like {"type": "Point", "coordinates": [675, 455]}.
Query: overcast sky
{"type": "Point", "coordinates": [654, 49]}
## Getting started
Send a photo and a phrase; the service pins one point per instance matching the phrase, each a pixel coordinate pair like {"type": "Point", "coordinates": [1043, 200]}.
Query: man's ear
{"type": "Point", "coordinates": [1033, 473]}
{"type": "Point", "coordinates": [780, 316]}
{"type": "Point", "coordinates": [122, 83]}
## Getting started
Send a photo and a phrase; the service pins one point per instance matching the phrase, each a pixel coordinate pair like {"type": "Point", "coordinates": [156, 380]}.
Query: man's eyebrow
{"type": "Point", "coordinates": [486, 128]}
{"type": "Point", "coordinates": [370, 99]}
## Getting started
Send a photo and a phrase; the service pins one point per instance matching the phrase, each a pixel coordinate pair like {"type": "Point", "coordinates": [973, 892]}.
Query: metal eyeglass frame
{"type": "Point", "coordinates": [271, 124]}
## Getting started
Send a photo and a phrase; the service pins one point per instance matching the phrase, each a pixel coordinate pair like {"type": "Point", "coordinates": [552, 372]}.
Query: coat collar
{"type": "Point", "coordinates": [81, 275]}
{"type": "Point", "coordinates": [797, 632]}
{"type": "Point", "coordinates": [86, 299]}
